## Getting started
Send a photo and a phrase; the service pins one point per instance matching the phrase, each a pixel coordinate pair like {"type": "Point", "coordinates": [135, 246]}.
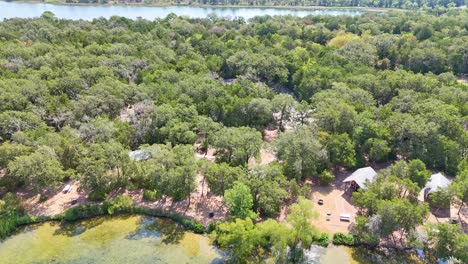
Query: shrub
{"type": "Point", "coordinates": [82, 211]}
{"type": "Point", "coordinates": [345, 239]}
{"type": "Point", "coordinates": [321, 239]}
{"type": "Point", "coordinates": [11, 214]}
{"type": "Point", "coordinates": [121, 203]}
{"type": "Point", "coordinates": [304, 191]}
{"type": "Point", "coordinates": [212, 227]}
{"type": "Point", "coordinates": [326, 177]}
{"type": "Point", "coordinates": [152, 196]}
{"type": "Point", "coordinates": [97, 196]}
{"type": "Point", "coordinates": [441, 198]}
{"type": "Point", "coordinates": [43, 198]}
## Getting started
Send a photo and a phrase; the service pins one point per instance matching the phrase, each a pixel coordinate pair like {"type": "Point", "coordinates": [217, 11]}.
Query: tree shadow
{"type": "Point", "coordinates": [440, 212]}
{"type": "Point", "coordinates": [77, 228]}
{"type": "Point", "coordinates": [371, 256]}
{"type": "Point", "coordinates": [347, 196]}
{"type": "Point", "coordinates": [171, 233]}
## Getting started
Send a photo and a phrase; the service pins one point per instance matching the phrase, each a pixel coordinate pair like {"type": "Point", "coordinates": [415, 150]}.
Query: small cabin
{"type": "Point", "coordinates": [359, 178]}
{"type": "Point", "coordinates": [140, 154]}
{"type": "Point", "coordinates": [435, 183]}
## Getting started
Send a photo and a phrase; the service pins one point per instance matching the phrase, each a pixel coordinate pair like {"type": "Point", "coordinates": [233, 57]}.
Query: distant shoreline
{"type": "Point", "coordinates": [357, 8]}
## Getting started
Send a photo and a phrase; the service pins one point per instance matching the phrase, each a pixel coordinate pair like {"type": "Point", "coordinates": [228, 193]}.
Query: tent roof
{"type": "Point", "coordinates": [436, 182]}
{"type": "Point", "coordinates": [140, 154]}
{"type": "Point", "coordinates": [361, 175]}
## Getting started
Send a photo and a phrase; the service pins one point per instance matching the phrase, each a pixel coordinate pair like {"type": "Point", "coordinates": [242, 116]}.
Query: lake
{"type": "Point", "coordinates": [89, 12]}
{"type": "Point", "coordinates": [143, 239]}
{"type": "Point", "coordinates": [121, 239]}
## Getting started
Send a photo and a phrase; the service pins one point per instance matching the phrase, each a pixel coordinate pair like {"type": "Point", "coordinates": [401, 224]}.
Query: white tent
{"type": "Point", "coordinates": [361, 175]}
{"type": "Point", "coordinates": [436, 182]}
{"type": "Point", "coordinates": [140, 154]}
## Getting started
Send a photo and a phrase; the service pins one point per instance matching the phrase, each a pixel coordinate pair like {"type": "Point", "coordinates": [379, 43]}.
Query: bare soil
{"type": "Point", "coordinates": [335, 201]}
{"type": "Point", "coordinates": [202, 203]}
{"type": "Point", "coordinates": [56, 203]}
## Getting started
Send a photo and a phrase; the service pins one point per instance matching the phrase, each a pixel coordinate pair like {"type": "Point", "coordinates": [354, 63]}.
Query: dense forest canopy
{"type": "Point", "coordinates": [76, 97]}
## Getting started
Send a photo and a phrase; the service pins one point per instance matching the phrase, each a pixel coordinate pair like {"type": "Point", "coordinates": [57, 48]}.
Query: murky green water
{"type": "Point", "coordinates": [125, 239]}
{"type": "Point", "coordinates": [140, 239]}
{"type": "Point", "coordinates": [346, 255]}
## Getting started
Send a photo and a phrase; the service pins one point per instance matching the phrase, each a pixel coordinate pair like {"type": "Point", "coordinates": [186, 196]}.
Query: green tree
{"type": "Point", "coordinates": [207, 127]}
{"type": "Point", "coordinates": [400, 215]}
{"type": "Point", "coordinates": [14, 121]}
{"type": "Point", "coordinates": [239, 200]}
{"type": "Point", "coordinates": [104, 166]}
{"type": "Point", "coordinates": [259, 113]}
{"type": "Point", "coordinates": [284, 105]}
{"type": "Point", "coordinates": [241, 237]}
{"type": "Point", "coordinates": [177, 132]}
{"type": "Point", "coordinates": [236, 145]}
{"type": "Point", "coordinates": [459, 188]}
{"type": "Point", "coordinates": [301, 218]}
{"type": "Point", "coordinates": [301, 153]}
{"type": "Point", "coordinates": [417, 172]}
{"type": "Point", "coordinates": [341, 150]}
{"type": "Point", "coordinates": [441, 198]}
{"type": "Point", "coordinates": [268, 187]}
{"type": "Point", "coordinates": [326, 177]}
{"type": "Point", "coordinates": [447, 241]}
{"type": "Point", "coordinates": [41, 169]}
{"type": "Point", "coordinates": [275, 237]}
{"type": "Point", "coordinates": [9, 152]}
{"type": "Point", "coordinates": [221, 177]}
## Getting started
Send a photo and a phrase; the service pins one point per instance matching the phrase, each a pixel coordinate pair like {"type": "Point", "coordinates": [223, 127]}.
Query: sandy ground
{"type": "Point", "coordinates": [444, 215]}
{"type": "Point", "coordinates": [270, 134]}
{"type": "Point", "coordinates": [57, 203]}
{"type": "Point", "coordinates": [209, 155]}
{"type": "Point", "coordinates": [266, 156]}
{"type": "Point", "coordinates": [335, 201]}
{"type": "Point", "coordinates": [202, 203]}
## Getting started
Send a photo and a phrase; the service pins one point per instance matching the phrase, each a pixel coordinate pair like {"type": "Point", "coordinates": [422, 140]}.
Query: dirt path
{"type": "Point", "coordinates": [57, 202]}
{"type": "Point", "coordinates": [202, 204]}
{"type": "Point", "coordinates": [335, 201]}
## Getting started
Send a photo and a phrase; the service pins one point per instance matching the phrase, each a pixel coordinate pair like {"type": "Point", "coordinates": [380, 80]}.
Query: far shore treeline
{"type": "Point", "coordinates": [404, 4]}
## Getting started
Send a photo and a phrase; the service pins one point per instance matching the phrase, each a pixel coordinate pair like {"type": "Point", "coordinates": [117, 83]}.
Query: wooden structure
{"type": "Point", "coordinates": [360, 178]}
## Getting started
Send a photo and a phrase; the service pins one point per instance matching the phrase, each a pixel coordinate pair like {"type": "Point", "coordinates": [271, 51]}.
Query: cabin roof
{"type": "Point", "coordinates": [436, 182]}
{"type": "Point", "coordinates": [361, 175]}
{"type": "Point", "coordinates": [140, 154]}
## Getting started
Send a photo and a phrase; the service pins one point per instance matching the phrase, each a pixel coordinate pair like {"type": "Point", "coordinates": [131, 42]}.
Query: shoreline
{"type": "Point", "coordinates": [196, 5]}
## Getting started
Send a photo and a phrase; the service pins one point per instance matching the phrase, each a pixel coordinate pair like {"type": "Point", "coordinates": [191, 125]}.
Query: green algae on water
{"type": "Point", "coordinates": [123, 239]}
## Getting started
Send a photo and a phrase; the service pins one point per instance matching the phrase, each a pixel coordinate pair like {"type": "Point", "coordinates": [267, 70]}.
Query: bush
{"type": "Point", "coordinates": [440, 199]}
{"type": "Point", "coordinates": [151, 196]}
{"type": "Point", "coordinates": [97, 196]}
{"type": "Point", "coordinates": [345, 239]}
{"type": "Point", "coordinates": [82, 211]}
{"type": "Point", "coordinates": [11, 214]}
{"type": "Point", "coordinates": [304, 191]}
{"type": "Point", "coordinates": [321, 240]}
{"type": "Point", "coordinates": [43, 198]}
{"type": "Point", "coordinates": [326, 177]}
{"type": "Point", "coordinates": [212, 227]}
{"type": "Point", "coordinates": [121, 203]}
